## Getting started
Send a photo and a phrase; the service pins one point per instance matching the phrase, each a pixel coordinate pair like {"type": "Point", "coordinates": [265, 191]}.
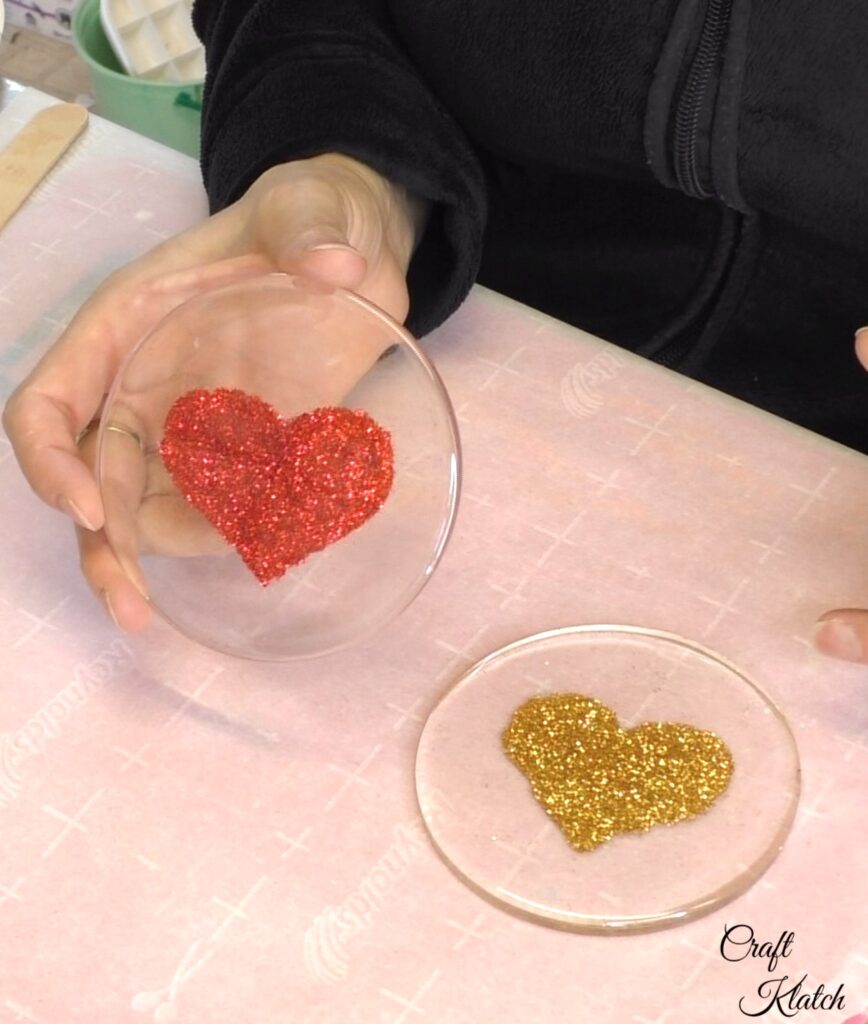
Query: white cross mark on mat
{"type": "Point", "coordinates": [461, 654]}
{"type": "Point", "coordinates": [558, 538]}
{"type": "Point", "coordinates": [410, 1005]}
{"type": "Point", "coordinates": [10, 282]}
{"type": "Point", "coordinates": [163, 1002]}
{"type": "Point", "coordinates": [45, 250]}
{"type": "Point", "coordinates": [351, 777]}
{"type": "Point", "coordinates": [726, 607]}
{"type": "Point", "coordinates": [499, 368]}
{"type": "Point", "coordinates": [522, 856]}
{"type": "Point", "coordinates": [651, 429]}
{"type": "Point", "coordinates": [807, 811]}
{"type": "Point", "coordinates": [468, 931]}
{"type": "Point", "coordinates": [94, 210]}
{"type": "Point", "coordinates": [144, 170]}
{"type": "Point", "coordinates": [408, 466]}
{"type": "Point", "coordinates": [70, 823]}
{"type": "Point", "coordinates": [10, 892]}
{"type": "Point", "coordinates": [39, 623]}
{"type": "Point", "coordinates": [60, 324]}
{"type": "Point", "coordinates": [813, 495]}
{"type": "Point", "coordinates": [302, 582]}
{"type": "Point", "coordinates": [405, 714]}
{"type": "Point", "coordinates": [769, 549]}
{"type": "Point", "coordinates": [293, 844]}
{"type": "Point", "coordinates": [239, 911]}
{"type": "Point", "coordinates": [632, 718]}
{"type": "Point", "coordinates": [194, 695]}
{"type": "Point", "coordinates": [511, 594]}
{"type": "Point", "coordinates": [460, 411]}
{"type": "Point", "coordinates": [484, 502]}
{"type": "Point", "coordinates": [606, 483]}
{"type": "Point", "coordinates": [135, 758]}
{"type": "Point", "coordinates": [22, 1013]}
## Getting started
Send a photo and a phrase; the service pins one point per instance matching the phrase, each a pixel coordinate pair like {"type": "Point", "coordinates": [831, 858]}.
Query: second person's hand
{"type": "Point", "coordinates": [843, 633]}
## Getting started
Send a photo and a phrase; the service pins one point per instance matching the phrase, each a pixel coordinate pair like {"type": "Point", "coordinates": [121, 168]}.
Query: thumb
{"type": "Point", "coordinates": [304, 231]}
{"type": "Point", "coordinates": [843, 634]}
{"type": "Point", "coordinates": [862, 346]}
{"type": "Point", "coordinates": [333, 263]}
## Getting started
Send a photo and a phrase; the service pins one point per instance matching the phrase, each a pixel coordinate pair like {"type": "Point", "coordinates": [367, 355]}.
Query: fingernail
{"type": "Point", "coordinates": [861, 331]}
{"type": "Point", "coordinates": [838, 639]}
{"type": "Point", "coordinates": [109, 609]}
{"type": "Point", "coordinates": [331, 245]}
{"type": "Point", "coordinates": [70, 508]}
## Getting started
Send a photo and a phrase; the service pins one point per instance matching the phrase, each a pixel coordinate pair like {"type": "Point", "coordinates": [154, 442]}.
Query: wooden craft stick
{"type": "Point", "coordinates": [34, 151]}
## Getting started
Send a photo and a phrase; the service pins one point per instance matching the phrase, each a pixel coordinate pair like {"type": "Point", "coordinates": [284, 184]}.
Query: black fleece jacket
{"type": "Point", "coordinates": [686, 178]}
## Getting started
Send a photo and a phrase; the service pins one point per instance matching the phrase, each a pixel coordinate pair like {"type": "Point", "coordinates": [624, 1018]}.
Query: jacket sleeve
{"type": "Point", "coordinates": [803, 133]}
{"type": "Point", "coordinates": [289, 79]}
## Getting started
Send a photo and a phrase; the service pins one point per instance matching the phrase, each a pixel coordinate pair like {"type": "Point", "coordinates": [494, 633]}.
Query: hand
{"type": "Point", "coordinates": [843, 633]}
{"type": "Point", "coordinates": [329, 218]}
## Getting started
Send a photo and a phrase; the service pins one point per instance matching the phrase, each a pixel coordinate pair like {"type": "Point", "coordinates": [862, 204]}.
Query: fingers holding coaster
{"type": "Point", "coordinates": [110, 565]}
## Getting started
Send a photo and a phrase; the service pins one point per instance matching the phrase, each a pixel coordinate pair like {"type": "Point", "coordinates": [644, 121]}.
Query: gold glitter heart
{"type": "Point", "coordinates": [595, 779]}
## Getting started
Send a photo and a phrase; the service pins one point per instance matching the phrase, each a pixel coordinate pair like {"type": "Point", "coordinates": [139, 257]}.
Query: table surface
{"type": "Point", "coordinates": [195, 838]}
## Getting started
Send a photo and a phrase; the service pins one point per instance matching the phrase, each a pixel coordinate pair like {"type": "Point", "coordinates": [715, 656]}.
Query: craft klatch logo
{"type": "Point", "coordinates": [789, 994]}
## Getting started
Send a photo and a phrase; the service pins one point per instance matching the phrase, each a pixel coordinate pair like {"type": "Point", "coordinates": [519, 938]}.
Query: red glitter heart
{"type": "Point", "coordinates": [277, 490]}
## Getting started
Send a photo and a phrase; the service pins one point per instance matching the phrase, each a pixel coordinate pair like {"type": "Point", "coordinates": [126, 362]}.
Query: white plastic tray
{"type": "Point", "coordinates": [154, 39]}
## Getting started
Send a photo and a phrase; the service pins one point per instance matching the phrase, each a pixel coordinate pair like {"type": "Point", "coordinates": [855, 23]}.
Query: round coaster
{"type": "Point", "coordinates": [279, 465]}
{"type": "Point", "coordinates": [485, 820]}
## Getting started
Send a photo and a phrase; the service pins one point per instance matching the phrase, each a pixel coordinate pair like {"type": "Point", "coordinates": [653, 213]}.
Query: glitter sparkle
{"type": "Point", "coordinates": [276, 489]}
{"type": "Point", "coordinates": [596, 780]}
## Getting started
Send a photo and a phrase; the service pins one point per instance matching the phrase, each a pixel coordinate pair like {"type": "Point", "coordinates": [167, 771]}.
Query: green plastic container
{"type": "Point", "coordinates": [169, 112]}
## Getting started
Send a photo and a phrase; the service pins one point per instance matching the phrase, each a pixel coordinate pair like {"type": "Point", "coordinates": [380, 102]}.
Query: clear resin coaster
{"type": "Point", "coordinates": [607, 778]}
{"type": "Point", "coordinates": [279, 465]}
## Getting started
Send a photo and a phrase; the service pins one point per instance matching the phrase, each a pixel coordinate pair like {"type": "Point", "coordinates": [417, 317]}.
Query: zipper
{"type": "Point", "coordinates": [678, 138]}
{"type": "Point", "coordinates": [689, 111]}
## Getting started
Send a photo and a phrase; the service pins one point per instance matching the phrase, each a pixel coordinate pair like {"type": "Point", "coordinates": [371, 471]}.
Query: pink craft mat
{"type": "Point", "coordinates": [196, 839]}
